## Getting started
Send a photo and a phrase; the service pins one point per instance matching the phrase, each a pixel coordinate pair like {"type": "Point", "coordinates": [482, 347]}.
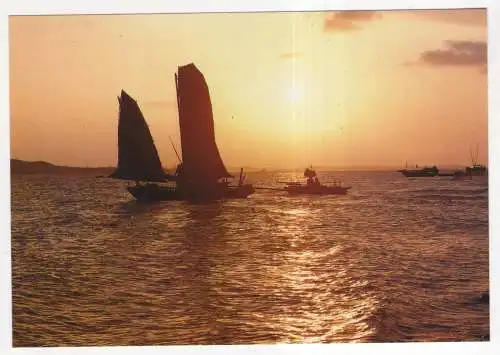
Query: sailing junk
{"type": "Point", "coordinates": [199, 175]}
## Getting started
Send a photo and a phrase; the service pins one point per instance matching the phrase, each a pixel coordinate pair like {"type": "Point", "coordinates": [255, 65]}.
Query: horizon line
{"type": "Point", "coordinates": [318, 167]}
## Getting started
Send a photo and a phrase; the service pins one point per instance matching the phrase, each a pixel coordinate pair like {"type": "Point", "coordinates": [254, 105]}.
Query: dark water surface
{"type": "Point", "coordinates": [395, 260]}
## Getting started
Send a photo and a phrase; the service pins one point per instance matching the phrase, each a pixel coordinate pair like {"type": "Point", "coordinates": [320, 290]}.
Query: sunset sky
{"type": "Point", "coordinates": [288, 90]}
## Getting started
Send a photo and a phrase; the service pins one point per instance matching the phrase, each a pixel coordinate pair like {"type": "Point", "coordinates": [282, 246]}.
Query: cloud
{"type": "Point", "coordinates": [456, 53]}
{"type": "Point", "coordinates": [348, 20]}
{"type": "Point", "coordinates": [471, 17]}
{"type": "Point", "coordinates": [289, 55]}
{"type": "Point", "coordinates": [353, 20]}
{"type": "Point", "coordinates": [462, 53]}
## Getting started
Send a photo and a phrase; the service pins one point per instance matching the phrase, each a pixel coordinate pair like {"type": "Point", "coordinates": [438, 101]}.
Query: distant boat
{"type": "Point", "coordinates": [475, 170]}
{"type": "Point", "coordinates": [470, 171]}
{"type": "Point", "coordinates": [314, 187]}
{"type": "Point", "coordinates": [422, 172]}
{"type": "Point", "coordinates": [201, 174]}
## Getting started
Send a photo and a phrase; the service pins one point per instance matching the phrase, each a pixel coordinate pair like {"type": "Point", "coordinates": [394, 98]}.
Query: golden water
{"type": "Point", "coordinates": [395, 260]}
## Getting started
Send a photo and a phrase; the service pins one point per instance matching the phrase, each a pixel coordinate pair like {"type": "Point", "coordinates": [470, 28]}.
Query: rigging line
{"type": "Point", "coordinates": [175, 150]}
{"type": "Point", "coordinates": [177, 96]}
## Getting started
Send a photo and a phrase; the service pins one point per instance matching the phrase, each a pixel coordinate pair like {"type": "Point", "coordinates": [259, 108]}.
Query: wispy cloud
{"type": "Point", "coordinates": [289, 55]}
{"type": "Point", "coordinates": [348, 20]}
{"type": "Point", "coordinates": [471, 17]}
{"type": "Point", "coordinates": [353, 20]}
{"type": "Point", "coordinates": [457, 53]}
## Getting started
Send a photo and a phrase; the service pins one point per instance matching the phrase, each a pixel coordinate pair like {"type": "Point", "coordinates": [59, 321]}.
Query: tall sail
{"type": "Point", "coordinates": [137, 155]}
{"type": "Point", "coordinates": [200, 156]}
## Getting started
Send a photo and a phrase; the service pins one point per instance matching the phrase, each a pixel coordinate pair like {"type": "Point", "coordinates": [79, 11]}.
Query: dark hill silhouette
{"type": "Point", "coordinates": [42, 167]}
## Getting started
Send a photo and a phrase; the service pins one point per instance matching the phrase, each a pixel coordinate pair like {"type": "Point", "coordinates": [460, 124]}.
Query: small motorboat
{"type": "Point", "coordinates": [314, 187]}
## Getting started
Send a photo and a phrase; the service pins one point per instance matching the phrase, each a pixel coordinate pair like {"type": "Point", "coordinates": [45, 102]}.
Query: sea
{"type": "Point", "coordinates": [395, 260]}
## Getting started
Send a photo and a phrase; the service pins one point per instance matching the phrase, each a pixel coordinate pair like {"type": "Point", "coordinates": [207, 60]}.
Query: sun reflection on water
{"type": "Point", "coordinates": [98, 269]}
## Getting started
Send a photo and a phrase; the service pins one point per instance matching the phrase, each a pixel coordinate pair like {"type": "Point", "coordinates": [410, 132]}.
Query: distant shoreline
{"type": "Point", "coordinates": [18, 166]}
{"type": "Point", "coordinates": [41, 167]}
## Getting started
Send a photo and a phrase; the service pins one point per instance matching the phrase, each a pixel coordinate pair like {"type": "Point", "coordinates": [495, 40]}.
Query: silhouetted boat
{"type": "Point", "coordinates": [201, 175]}
{"type": "Point", "coordinates": [422, 172]}
{"type": "Point", "coordinates": [470, 171]}
{"type": "Point", "coordinates": [314, 187]}
{"type": "Point", "coordinates": [475, 170]}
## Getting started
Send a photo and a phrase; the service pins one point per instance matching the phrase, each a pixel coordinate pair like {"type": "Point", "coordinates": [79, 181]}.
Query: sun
{"type": "Point", "coordinates": [294, 94]}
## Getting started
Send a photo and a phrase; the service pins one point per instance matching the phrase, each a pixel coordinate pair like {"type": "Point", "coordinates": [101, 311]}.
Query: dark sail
{"type": "Point", "coordinates": [137, 155]}
{"type": "Point", "coordinates": [200, 156]}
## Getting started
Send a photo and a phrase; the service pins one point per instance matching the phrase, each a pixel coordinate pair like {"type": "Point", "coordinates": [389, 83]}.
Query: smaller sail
{"type": "Point", "coordinates": [137, 155]}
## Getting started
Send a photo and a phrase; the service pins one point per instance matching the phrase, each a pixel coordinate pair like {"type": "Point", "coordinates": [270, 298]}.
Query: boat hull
{"type": "Point", "coordinates": [316, 190]}
{"type": "Point", "coordinates": [413, 173]}
{"type": "Point", "coordinates": [469, 174]}
{"type": "Point", "coordinates": [476, 171]}
{"type": "Point", "coordinates": [154, 193]}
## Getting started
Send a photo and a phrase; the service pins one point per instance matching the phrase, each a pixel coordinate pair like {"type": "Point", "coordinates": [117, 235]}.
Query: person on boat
{"type": "Point", "coordinates": [179, 169]}
{"type": "Point", "coordinates": [309, 173]}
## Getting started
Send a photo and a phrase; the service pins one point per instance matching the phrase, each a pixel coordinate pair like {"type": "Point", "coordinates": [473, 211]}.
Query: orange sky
{"type": "Point", "coordinates": [288, 89]}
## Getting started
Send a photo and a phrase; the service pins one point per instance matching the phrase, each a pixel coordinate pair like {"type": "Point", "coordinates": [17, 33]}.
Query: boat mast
{"type": "Point", "coordinates": [177, 92]}
{"type": "Point", "coordinates": [477, 155]}
{"type": "Point", "coordinates": [471, 154]}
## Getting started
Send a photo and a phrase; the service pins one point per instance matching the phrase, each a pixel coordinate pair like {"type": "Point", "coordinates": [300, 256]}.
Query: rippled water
{"type": "Point", "coordinates": [395, 260]}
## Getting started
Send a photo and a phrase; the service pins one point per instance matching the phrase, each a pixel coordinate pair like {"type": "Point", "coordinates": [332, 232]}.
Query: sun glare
{"type": "Point", "coordinates": [294, 94]}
